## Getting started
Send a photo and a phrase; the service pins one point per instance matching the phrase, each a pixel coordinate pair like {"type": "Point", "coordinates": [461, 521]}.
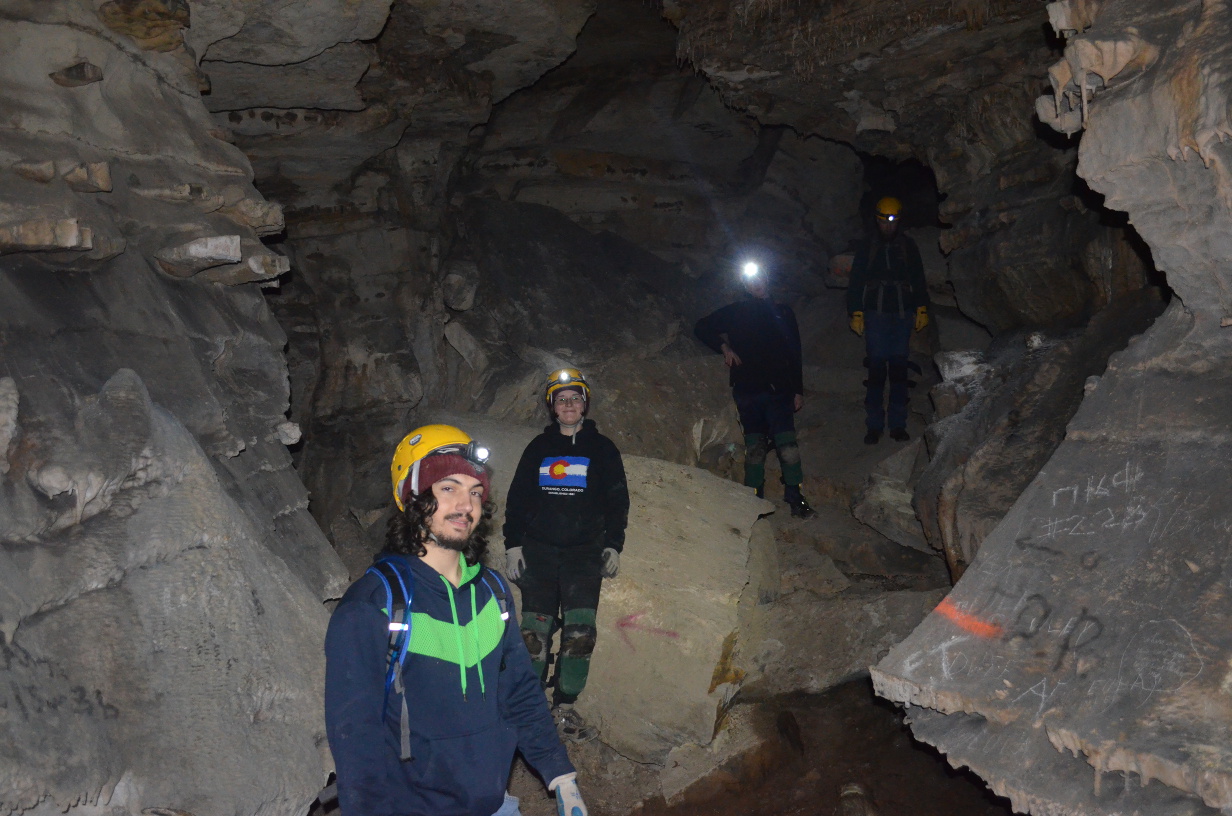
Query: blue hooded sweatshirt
{"type": "Point", "coordinates": [472, 696]}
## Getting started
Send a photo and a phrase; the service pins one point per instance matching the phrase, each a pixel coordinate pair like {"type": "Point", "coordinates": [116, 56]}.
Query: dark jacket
{"type": "Point", "coordinates": [887, 276]}
{"type": "Point", "coordinates": [568, 491]}
{"type": "Point", "coordinates": [462, 743]}
{"type": "Point", "coordinates": [765, 336]}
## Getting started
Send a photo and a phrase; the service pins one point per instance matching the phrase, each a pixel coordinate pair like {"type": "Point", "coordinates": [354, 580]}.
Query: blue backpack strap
{"type": "Point", "coordinates": [398, 607]}
{"type": "Point", "coordinates": [501, 593]}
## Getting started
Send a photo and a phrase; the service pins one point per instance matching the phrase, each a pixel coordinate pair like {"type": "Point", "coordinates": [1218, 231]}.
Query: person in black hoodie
{"type": "Point", "coordinates": [428, 688]}
{"type": "Point", "coordinates": [564, 531]}
{"type": "Point", "coordinates": [760, 343]}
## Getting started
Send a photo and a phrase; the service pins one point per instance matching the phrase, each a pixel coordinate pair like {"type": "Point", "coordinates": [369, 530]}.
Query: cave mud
{"type": "Point", "coordinates": [245, 245]}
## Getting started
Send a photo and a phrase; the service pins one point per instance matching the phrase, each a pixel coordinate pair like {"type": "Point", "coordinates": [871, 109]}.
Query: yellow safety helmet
{"type": "Point", "coordinates": [423, 442]}
{"type": "Point", "coordinates": [565, 378]}
{"type": "Point", "coordinates": [889, 208]}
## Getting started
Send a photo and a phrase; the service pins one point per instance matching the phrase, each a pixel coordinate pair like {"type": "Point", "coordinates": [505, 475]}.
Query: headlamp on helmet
{"type": "Point", "coordinates": [565, 378]}
{"type": "Point", "coordinates": [889, 209]}
{"type": "Point", "coordinates": [751, 270]}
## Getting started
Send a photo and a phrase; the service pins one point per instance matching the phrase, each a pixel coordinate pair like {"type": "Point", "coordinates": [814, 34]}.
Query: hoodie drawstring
{"type": "Point", "coordinates": [457, 633]}
{"type": "Point", "coordinates": [483, 692]}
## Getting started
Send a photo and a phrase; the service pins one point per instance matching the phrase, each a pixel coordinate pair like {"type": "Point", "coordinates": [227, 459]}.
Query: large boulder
{"type": "Point", "coordinates": [1089, 621]}
{"type": "Point", "coordinates": [698, 563]}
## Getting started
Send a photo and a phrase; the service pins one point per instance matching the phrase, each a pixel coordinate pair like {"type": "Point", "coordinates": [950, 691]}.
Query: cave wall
{"type": "Point", "coordinates": [1087, 643]}
{"type": "Point", "coordinates": [162, 579]}
{"type": "Point", "coordinates": [624, 138]}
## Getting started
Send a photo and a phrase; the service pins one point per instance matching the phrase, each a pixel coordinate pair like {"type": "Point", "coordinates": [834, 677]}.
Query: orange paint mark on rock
{"type": "Point", "coordinates": [967, 621]}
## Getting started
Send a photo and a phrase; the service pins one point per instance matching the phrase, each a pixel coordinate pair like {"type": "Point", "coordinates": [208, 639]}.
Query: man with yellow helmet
{"type": "Point", "coordinates": [564, 531]}
{"type": "Point", "coordinates": [886, 299]}
{"type": "Point", "coordinates": [428, 688]}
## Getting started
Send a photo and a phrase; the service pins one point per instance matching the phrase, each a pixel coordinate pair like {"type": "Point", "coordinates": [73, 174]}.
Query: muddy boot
{"type": "Point", "coordinates": [796, 503]}
{"type": "Point", "coordinates": [570, 724]}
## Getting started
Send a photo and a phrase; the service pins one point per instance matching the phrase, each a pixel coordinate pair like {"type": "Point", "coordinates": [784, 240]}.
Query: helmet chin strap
{"type": "Point", "coordinates": [572, 428]}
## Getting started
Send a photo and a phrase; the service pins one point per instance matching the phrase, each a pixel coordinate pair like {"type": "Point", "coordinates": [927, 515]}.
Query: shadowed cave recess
{"type": "Point", "coordinates": [247, 245]}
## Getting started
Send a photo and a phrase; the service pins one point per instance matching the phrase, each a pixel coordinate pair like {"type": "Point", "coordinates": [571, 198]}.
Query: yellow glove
{"type": "Point", "coordinates": [921, 318]}
{"type": "Point", "coordinates": [857, 323]}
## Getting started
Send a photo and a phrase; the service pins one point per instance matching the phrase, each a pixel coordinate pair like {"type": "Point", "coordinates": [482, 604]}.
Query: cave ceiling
{"type": "Point", "coordinates": [949, 85]}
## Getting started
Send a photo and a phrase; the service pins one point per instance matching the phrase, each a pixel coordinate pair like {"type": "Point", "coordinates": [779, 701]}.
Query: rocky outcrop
{"type": "Point", "coordinates": [162, 579]}
{"type": "Point", "coordinates": [319, 109]}
{"type": "Point", "coordinates": [160, 558]}
{"type": "Point", "coordinates": [126, 162]}
{"type": "Point", "coordinates": [1002, 415]}
{"type": "Point", "coordinates": [1088, 637]}
{"type": "Point", "coordinates": [157, 646]}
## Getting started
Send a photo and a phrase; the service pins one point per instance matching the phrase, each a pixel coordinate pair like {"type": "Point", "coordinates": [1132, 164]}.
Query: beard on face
{"type": "Point", "coordinates": [453, 541]}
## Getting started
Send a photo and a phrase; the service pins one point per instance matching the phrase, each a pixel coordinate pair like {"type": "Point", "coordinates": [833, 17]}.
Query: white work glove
{"type": "Point", "coordinates": [568, 798]}
{"type": "Point", "coordinates": [515, 563]}
{"type": "Point", "coordinates": [611, 563]}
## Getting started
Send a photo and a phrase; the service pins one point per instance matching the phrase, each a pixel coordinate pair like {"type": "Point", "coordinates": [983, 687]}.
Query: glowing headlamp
{"type": "Point", "coordinates": [564, 377]}
{"type": "Point", "coordinates": [890, 217]}
{"type": "Point", "coordinates": [472, 452]}
{"type": "Point", "coordinates": [751, 270]}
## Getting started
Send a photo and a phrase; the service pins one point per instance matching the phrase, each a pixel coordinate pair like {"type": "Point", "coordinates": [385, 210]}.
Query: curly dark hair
{"type": "Point", "coordinates": [409, 529]}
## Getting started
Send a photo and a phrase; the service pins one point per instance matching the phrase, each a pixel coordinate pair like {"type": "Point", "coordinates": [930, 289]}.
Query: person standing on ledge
{"type": "Point", "coordinates": [428, 688]}
{"type": "Point", "coordinates": [886, 298]}
{"type": "Point", "coordinates": [760, 344]}
{"type": "Point", "coordinates": [564, 531]}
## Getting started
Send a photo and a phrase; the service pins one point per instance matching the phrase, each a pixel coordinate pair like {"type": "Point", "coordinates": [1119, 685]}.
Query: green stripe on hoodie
{"type": "Point", "coordinates": [440, 639]}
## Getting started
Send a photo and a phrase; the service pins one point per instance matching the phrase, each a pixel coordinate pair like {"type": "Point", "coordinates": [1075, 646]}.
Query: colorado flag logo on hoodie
{"type": "Point", "coordinates": [563, 471]}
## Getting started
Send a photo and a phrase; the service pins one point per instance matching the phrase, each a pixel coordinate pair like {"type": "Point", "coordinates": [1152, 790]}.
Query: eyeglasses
{"type": "Point", "coordinates": [574, 400]}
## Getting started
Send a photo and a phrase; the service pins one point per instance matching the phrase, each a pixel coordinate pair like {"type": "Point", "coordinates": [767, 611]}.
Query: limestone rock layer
{"type": "Point", "coordinates": [162, 581]}
{"type": "Point", "coordinates": [1094, 613]}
